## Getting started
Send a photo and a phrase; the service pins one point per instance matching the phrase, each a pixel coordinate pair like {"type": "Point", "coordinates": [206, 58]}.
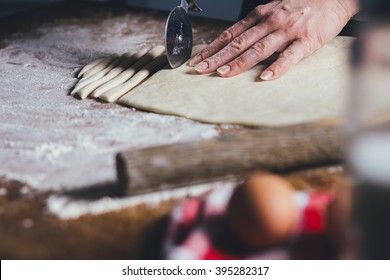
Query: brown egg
{"type": "Point", "coordinates": [262, 212]}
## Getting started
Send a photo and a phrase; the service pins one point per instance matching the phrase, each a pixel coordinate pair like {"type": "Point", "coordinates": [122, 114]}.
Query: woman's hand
{"type": "Point", "coordinates": [296, 28]}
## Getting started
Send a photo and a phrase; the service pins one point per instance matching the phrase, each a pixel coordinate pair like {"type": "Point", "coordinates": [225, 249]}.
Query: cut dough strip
{"type": "Point", "coordinates": [98, 75]}
{"type": "Point", "coordinates": [128, 73]}
{"type": "Point", "coordinates": [313, 90]}
{"type": "Point", "coordinates": [89, 67]}
{"type": "Point", "coordinates": [126, 61]}
{"type": "Point", "coordinates": [100, 66]}
{"type": "Point", "coordinates": [118, 91]}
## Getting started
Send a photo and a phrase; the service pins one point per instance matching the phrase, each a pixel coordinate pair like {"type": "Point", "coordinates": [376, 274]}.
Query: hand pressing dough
{"type": "Point", "coordinates": [314, 89]}
{"type": "Point", "coordinates": [128, 73]}
{"type": "Point", "coordinates": [127, 60]}
{"type": "Point", "coordinates": [115, 93]}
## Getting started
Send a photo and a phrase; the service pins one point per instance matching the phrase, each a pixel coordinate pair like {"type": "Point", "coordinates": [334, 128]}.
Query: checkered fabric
{"type": "Point", "coordinates": [198, 230]}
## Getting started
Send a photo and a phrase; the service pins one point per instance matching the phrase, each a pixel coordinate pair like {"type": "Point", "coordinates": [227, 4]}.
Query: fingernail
{"type": "Point", "coordinates": [201, 66]}
{"type": "Point", "coordinates": [223, 70]}
{"type": "Point", "coordinates": [266, 75]}
{"type": "Point", "coordinates": [194, 61]}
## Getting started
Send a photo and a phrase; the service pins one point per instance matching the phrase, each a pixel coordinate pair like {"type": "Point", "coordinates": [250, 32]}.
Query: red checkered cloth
{"type": "Point", "coordinates": [198, 230]}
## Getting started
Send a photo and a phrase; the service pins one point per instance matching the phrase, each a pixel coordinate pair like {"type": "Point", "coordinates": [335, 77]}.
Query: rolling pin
{"type": "Point", "coordinates": [271, 149]}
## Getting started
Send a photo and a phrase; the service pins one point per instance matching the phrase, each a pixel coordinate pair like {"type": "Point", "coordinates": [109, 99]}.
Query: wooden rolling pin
{"type": "Point", "coordinates": [272, 149]}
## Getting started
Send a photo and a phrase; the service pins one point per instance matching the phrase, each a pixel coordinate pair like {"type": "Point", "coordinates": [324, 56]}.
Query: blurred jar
{"type": "Point", "coordinates": [368, 133]}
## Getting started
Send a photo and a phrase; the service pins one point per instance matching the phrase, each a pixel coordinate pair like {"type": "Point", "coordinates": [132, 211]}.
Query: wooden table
{"type": "Point", "coordinates": [28, 230]}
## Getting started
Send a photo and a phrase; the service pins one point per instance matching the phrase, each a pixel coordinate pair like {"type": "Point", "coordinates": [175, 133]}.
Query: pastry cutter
{"type": "Point", "coordinates": [178, 33]}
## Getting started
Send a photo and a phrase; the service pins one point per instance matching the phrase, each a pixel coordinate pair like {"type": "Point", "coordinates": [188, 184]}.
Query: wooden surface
{"type": "Point", "coordinates": [46, 131]}
{"type": "Point", "coordinates": [28, 230]}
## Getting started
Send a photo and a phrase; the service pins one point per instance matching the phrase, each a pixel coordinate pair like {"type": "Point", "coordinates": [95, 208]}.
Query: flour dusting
{"type": "Point", "coordinates": [67, 208]}
{"type": "Point", "coordinates": [51, 140]}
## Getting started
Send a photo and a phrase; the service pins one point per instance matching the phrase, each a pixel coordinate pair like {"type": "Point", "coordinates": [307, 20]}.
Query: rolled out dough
{"type": "Point", "coordinates": [89, 67]}
{"type": "Point", "coordinates": [313, 90]}
{"type": "Point", "coordinates": [98, 67]}
{"type": "Point", "coordinates": [152, 55]}
{"type": "Point", "coordinates": [97, 73]}
{"type": "Point", "coordinates": [127, 60]}
{"type": "Point", "coordinates": [153, 66]}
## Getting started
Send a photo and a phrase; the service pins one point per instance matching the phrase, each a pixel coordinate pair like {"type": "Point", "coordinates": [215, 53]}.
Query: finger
{"type": "Point", "coordinates": [289, 57]}
{"type": "Point", "coordinates": [236, 47]}
{"type": "Point", "coordinates": [284, 46]}
{"type": "Point", "coordinates": [258, 52]}
{"type": "Point", "coordinates": [228, 35]}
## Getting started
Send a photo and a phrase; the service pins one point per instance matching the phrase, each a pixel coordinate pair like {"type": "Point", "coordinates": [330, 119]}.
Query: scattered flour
{"type": "Point", "coordinates": [67, 208]}
{"type": "Point", "coordinates": [51, 140]}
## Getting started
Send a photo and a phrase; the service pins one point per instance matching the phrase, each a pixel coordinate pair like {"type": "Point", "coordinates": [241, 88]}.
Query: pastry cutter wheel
{"type": "Point", "coordinates": [178, 33]}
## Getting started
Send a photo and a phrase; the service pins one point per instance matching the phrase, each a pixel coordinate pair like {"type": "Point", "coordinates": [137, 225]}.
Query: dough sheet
{"type": "Point", "coordinates": [315, 89]}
